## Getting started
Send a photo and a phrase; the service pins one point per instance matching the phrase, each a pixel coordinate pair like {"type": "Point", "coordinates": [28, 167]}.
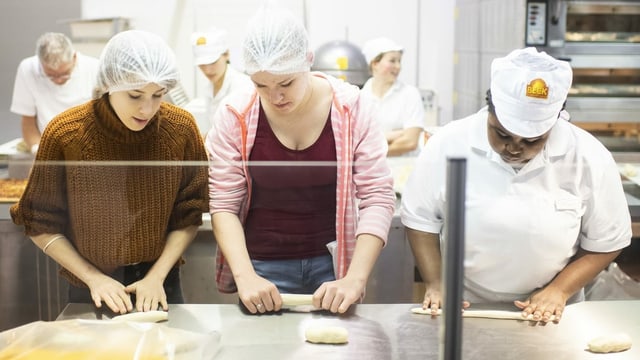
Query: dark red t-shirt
{"type": "Point", "coordinates": [293, 204]}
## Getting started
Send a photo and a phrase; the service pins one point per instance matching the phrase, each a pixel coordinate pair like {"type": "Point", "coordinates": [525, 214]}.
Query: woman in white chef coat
{"type": "Point", "coordinates": [545, 208]}
{"type": "Point", "coordinates": [399, 106]}
{"type": "Point", "coordinates": [211, 53]}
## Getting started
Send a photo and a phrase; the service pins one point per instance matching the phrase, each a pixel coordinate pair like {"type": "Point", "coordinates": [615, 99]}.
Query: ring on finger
{"type": "Point", "coordinates": [259, 306]}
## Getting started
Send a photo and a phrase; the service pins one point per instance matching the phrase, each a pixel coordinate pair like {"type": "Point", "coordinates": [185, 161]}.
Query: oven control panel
{"type": "Point", "coordinates": [536, 30]}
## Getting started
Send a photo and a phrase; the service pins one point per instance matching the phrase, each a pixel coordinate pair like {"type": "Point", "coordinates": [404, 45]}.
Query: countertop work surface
{"type": "Point", "coordinates": [392, 331]}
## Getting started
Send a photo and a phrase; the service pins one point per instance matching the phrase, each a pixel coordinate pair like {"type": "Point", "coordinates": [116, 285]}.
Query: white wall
{"type": "Point", "coordinates": [24, 21]}
{"type": "Point", "coordinates": [423, 27]}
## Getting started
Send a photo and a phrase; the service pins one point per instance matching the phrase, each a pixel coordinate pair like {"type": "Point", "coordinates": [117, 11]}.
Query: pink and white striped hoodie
{"type": "Point", "coordinates": [365, 199]}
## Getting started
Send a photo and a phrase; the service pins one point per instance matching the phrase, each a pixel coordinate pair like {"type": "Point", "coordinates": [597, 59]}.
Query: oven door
{"type": "Point", "coordinates": [605, 88]}
{"type": "Point", "coordinates": [593, 27]}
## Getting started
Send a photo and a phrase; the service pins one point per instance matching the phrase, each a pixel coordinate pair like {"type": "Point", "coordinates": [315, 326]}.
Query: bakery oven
{"type": "Point", "coordinates": [584, 26]}
{"type": "Point", "coordinates": [601, 40]}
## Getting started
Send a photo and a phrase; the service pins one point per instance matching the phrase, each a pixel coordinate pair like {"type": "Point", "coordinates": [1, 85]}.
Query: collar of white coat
{"type": "Point", "coordinates": [394, 87]}
{"type": "Point", "coordinates": [560, 141]}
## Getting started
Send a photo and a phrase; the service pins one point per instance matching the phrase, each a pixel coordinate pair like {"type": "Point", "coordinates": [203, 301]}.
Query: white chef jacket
{"type": "Point", "coordinates": [401, 107]}
{"type": "Point", "coordinates": [521, 228]}
{"type": "Point", "coordinates": [234, 80]}
{"type": "Point", "coordinates": [36, 95]}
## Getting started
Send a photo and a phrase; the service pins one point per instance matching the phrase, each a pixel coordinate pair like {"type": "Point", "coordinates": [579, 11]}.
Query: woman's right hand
{"type": "Point", "coordinates": [107, 289]}
{"type": "Point", "coordinates": [433, 301]}
{"type": "Point", "coordinates": [258, 294]}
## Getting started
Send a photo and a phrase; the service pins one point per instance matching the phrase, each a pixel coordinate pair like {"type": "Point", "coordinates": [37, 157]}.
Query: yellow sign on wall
{"type": "Point", "coordinates": [342, 62]}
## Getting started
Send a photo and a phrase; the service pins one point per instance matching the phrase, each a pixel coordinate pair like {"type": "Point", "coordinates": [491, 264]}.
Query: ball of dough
{"type": "Point", "coordinates": [326, 335]}
{"type": "Point", "coordinates": [629, 170]}
{"type": "Point", "coordinates": [610, 343]}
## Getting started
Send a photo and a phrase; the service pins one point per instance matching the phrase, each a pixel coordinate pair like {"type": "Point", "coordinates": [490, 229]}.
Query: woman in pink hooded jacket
{"type": "Point", "coordinates": [301, 194]}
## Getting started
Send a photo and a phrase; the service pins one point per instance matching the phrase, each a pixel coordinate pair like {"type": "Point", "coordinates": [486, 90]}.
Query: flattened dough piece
{"type": "Point", "coordinates": [140, 316]}
{"type": "Point", "coordinates": [487, 314]}
{"type": "Point", "coordinates": [324, 334]}
{"type": "Point", "coordinates": [610, 343]}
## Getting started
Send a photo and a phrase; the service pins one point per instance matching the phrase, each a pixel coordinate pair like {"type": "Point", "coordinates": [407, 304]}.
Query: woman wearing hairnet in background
{"type": "Point", "coordinates": [296, 165]}
{"type": "Point", "coordinates": [545, 208]}
{"type": "Point", "coordinates": [100, 199]}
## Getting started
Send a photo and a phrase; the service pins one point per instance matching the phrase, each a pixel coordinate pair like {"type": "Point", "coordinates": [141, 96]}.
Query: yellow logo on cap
{"type": "Point", "coordinates": [537, 88]}
{"type": "Point", "coordinates": [201, 41]}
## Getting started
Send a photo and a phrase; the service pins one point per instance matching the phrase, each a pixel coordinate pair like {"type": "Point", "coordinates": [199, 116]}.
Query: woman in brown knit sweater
{"type": "Point", "coordinates": [119, 184]}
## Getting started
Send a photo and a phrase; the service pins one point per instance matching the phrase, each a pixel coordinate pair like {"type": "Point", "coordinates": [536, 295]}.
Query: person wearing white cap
{"type": "Point", "coordinates": [545, 209]}
{"type": "Point", "coordinates": [97, 201]}
{"type": "Point", "coordinates": [301, 196]}
{"type": "Point", "coordinates": [211, 55]}
{"type": "Point", "coordinates": [56, 78]}
{"type": "Point", "coordinates": [399, 106]}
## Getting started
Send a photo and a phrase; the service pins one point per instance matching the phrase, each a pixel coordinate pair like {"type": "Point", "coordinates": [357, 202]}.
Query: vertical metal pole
{"type": "Point", "coordinates": [453, 270]}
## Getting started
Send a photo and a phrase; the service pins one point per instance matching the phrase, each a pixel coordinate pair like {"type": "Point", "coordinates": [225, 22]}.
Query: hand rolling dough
{"type": "Point", "coordinates": [140, 316]}
{"type": "Point", "coordinates": [610, 343]}
{"type": "Point", "coordinates": [487, 314]}
{"type": "Point", "coordinates": [326, 334]}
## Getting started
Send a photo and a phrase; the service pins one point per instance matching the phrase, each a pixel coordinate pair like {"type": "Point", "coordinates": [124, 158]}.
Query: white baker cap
{"type": "Point", "coordinates": [528, 90]}
{"type": "Point", "coordinates": [209, 46]}
{"type": "Point", "coordinates": [375, 47]}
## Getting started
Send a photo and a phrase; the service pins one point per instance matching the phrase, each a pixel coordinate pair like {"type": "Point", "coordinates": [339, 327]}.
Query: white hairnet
{"type": "Point", "coordinates": [134, 58]}
{"type": "Point", "coordinates": [276, 42]}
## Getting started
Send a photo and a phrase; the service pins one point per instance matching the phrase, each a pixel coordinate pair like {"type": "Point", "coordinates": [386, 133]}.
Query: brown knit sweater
{"type": "Point", "coordinates": [115, 193]}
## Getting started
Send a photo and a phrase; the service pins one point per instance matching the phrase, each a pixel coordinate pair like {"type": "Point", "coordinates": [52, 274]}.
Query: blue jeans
{"type": "Point", "coordinates": [130, 274]}
{"type": "Point", "coordinates": [296, 276]}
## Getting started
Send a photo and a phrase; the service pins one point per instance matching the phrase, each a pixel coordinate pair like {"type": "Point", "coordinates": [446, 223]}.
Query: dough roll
{"type": "Point", "coordinates": [326, 335]}
{"type": "Point", "coordinates": [487, 314]}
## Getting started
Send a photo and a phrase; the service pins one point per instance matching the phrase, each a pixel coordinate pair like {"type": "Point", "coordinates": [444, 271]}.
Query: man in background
{"type": "Point", "coordinates": [53, 80]}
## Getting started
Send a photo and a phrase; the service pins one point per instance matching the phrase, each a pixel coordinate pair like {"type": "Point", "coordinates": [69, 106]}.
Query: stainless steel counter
{"type": "Point", "coordinates": [379, 331]}
{"type": "Point", "coordinates": [30, 288]}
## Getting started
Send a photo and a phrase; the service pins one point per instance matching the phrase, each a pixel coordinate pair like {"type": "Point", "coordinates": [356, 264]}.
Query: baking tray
{"type": "Point", "coordinates": [401, 168]}
{"type": "Point", "coordinates": [630, 171]}
{"type": "Point", "coordinates": [11, 148]}
{"type": "Point", "coordinates": [8, 199]}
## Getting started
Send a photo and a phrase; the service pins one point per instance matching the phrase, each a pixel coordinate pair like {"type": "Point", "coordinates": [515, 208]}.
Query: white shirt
{"type": "Point", "coordinates": [522, 228]}
{"type": "Point", "coordinates": [401, 107]}
{"type": "Point", "coordinates": [34, 94]}
{"type": "Point", "coordinates": [233, 81]}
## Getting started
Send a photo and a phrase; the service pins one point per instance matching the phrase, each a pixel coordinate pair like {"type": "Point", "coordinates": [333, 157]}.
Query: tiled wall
{"type": "Point", "coordinates": [485, 29]}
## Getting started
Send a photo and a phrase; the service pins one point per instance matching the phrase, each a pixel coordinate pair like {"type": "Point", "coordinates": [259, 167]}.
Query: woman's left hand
{"type": "Point", "coordinates": [543, 304]}
{"type": "Point", "coordinates": [336, 296]}
{"type": "Point", "coordinates": [149, 294]}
